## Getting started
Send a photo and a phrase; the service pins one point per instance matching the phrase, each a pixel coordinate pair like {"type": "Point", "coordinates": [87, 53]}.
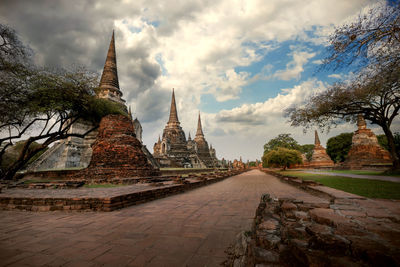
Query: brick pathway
{"type": "Point", "coordinates": [189, 229]}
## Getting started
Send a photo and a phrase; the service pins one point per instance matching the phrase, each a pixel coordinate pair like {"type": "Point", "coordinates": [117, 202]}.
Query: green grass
{"type": "Point", "coordinates": [102, 185]}
{"type": "Point", "coordinates": [361, 172]}
{"type": "Point", "coordinates": [361, 187]}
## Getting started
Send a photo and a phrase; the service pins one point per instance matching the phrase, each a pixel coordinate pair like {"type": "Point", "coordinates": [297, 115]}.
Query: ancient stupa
{"type": "Point", "coordinates": [173, 150]}
{"type": "Point", "coordinates": [320, 159]}
{"type": "Point", "coordinates": [365, 151]}
{"type": "Point", "coordinates": [101, 151]}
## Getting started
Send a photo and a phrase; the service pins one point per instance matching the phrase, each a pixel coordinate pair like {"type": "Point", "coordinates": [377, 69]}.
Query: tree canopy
{"type": "Point", "coordinates": [42, 103]}
{"type": "Point", "coordinates": [281, 157]}
{"type": "Point", "coordinates": [282, 140]}
{"type": "Point", "coordinates": [339, 146]}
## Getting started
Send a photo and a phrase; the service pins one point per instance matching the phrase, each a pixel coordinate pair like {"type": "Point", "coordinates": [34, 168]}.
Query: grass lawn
{"type": "Point", "coordinates": [361, 187]}
{"type": "Point", "coordinates": [102, 185]}
{"type": "Point", "coordinates": [378, 173]}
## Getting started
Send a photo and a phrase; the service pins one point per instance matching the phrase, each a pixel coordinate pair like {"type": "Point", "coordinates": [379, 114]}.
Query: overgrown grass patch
{"type": "Point", "coordinates": [363, 172]}
{"type": "Point", "coordinates": [361, 187]}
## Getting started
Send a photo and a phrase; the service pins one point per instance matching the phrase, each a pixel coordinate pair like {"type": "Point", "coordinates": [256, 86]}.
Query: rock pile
{"type": "Point", "coordinates": [287, 232]}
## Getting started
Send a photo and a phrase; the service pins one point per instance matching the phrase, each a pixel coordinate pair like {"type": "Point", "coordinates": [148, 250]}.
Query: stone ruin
{"type": "Point", "coordinates": [365, 151]}
{"type": "Point", "coordinates": [114, 149]}
{"type": "Point", "coordinates": [117, 152]}
{"type": "Point", "coordinates": [320, 159]}
{"type": "Point", "coordinates": [173, 150]}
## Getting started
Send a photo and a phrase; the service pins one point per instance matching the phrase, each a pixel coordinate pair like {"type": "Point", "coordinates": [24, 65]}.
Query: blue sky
{"type": "Point", "coordinates": [241, 63]}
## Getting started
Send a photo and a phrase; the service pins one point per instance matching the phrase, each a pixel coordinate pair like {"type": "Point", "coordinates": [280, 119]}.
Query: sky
{"type": "Point", "coordinates": [239, 63]}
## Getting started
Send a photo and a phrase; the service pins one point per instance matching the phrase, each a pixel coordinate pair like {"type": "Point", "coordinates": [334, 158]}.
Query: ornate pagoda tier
{"type": "Point", "coordinates": [365, 151]}
{"type": "Point", "coordinates": [320, 159]}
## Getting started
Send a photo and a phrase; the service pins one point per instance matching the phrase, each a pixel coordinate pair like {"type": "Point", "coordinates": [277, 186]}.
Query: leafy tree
{"type": "Point", "coordinates": [42, 103]}
{"type": "Point", "coordinates": [384, 142]}
{"type": "Point", "coordinates": [375, 91]}
{"type": "Point", "coordinates": [307, 150]}
{"type": "Point", "coordinates": [338, 146]}
{"type": "Point", "coordinates": [282, 140]}
{"type": "Point", "coordinates": [282, 157]}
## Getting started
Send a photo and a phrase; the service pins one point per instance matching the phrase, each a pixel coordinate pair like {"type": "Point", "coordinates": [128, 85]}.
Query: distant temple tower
{"type": "Point", "coordinates": [173, 150]}
{"type": "Point", "coordinates": [320, 159]}
{"type": "Point", "coordinates": [365, 151]}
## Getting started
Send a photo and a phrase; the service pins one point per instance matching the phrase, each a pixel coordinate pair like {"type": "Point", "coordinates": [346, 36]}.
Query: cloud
{"type": "Point", "coordinates": [336, 76]}
{"type": "Point", "coordinates": [259, 114]}
{"type": "Point", "coordinates": [196, 47]}
{"type": "Point", "coordinates": [295, 67]}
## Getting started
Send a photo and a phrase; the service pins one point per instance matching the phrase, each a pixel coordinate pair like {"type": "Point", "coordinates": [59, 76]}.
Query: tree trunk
{"type": "Point", "coordinates": [392, 147]}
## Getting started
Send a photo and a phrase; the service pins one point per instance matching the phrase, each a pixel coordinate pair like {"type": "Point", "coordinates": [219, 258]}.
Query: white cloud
{"type": "Point", "coordinates": [200, 44]}
{"type": "Point", "coordinates": [335, 75]}
{"type": "Point", "coordinates": [295, 67]}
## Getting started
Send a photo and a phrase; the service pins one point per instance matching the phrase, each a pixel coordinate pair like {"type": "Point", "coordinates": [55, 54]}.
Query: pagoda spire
{"type": "Point", "coordinates": [130, 113]}
{"type": "Point", "coordinates": [109, 83]}
{"type": "Point", "coordinates": [361, 124]}
{"type": "Point", "coordinates": [199, 129]}
{"type": "Point", "coordinates": [316, 142]}
{"type": "Point", "coordinates": [189, 138]}
{"type": "Point", "coordinates": [173, 115]}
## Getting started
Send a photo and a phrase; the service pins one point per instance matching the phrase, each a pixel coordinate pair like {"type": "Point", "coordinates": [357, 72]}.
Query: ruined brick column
{"type": "Point", "coordinates": [117, 152]}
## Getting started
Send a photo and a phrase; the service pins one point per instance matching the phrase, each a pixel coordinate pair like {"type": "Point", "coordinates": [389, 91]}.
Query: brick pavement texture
{"type": "Point", "coordinates": [189, 229]}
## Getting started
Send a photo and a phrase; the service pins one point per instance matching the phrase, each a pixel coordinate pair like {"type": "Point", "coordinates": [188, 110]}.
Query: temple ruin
{"type": "Point", "coordinates": [75, 152]}
{"type": "Point", "coordinates": [320, 159]}
{"type": "Point", "coordinates": [173, 150]}
{"type": "Point", "coordinates": [365, 151]}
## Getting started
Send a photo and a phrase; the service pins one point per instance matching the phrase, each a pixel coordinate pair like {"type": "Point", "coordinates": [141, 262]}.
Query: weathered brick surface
{"type": "Point", "coordinates": [105, 203]}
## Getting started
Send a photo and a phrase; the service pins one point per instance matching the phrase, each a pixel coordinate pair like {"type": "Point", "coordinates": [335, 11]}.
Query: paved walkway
{"type": "Point", "coordinates": [189, 229]}
{"type": "Point", "coordinates": [359, 176]}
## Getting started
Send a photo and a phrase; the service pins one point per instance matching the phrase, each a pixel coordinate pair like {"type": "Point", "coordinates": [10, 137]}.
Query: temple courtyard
{"type": "Point", "coordinates": [194, 228]}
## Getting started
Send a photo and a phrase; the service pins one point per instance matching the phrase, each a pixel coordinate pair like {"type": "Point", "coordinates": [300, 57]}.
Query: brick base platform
{"type": "Point", "coordinates": [37, 202]}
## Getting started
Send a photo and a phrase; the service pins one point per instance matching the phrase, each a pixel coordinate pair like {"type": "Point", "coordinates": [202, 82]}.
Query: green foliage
{"type": "Point", "coordinates": [282, 157]}
{"type": "Point", "coordinates": [252, 164]}
{"type": "Point", "coordinates": [282, 140]}
{"type": "Point", "coordinates": [307, 150]}
{"type": "Point", "coordinates": [338, 146]}
{"type": "Point", "coordinates": [382, 139]}
{"type": "Point", "coordinates": [12, 153]}
{"type": "Point", "coordinates": [97, 108]}
{"type": "Point", "coordinates": [362, 187]}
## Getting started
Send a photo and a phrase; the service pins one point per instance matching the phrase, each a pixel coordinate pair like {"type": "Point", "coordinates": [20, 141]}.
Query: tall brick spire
{"type": "Point", "coordinates": [173, 115]}
{"type": "Point", "coordinates": [109, 84]}
{"type": "Point", "coordinates": [317, 142]}
{"type": "Point", "coordinates": [199, 129]}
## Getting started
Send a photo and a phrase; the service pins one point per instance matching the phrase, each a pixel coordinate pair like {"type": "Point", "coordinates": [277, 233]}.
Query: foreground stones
{"type": "Point", "coordinates": [350, 231]}
{"type": "Point", "coordinates": [287, 232]}
{"type": "Point", "coordinates": [146, 189]}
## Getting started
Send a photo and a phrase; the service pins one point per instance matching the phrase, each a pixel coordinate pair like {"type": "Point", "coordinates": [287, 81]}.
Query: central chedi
{"type": "Point", "coordinates": [173, 150]}
{"type": "Point", "coordinates": [114, 150]}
